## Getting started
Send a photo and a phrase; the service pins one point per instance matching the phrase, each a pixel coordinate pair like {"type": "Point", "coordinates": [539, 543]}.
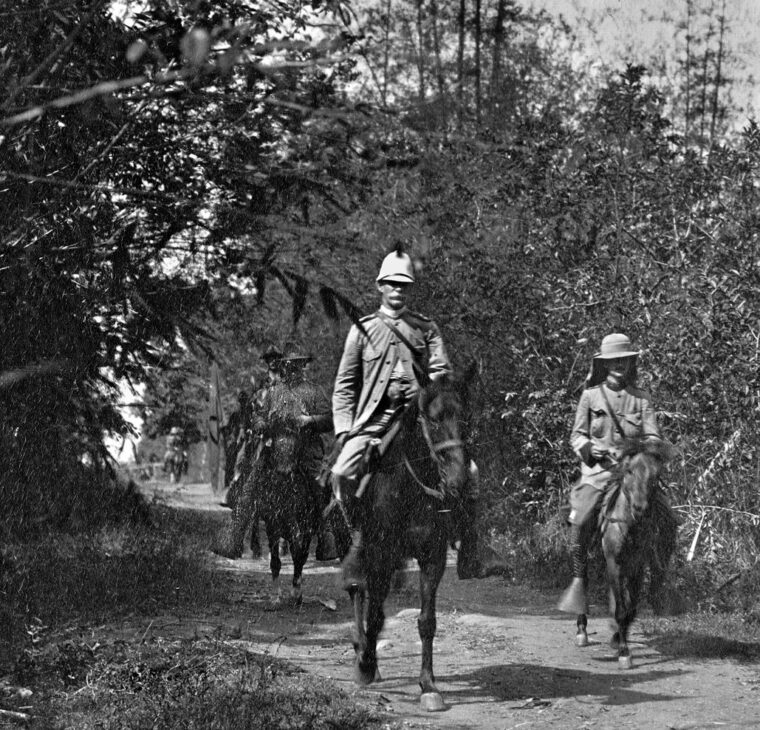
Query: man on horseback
{"type": "Point", "coordinates": [176, 450]}
{"type": "Point", "coordinates": [286, 403]}
{"type": "Point", "coordinates": [385, 362]}
{"type": "Point", "coordinates": [611, 409]}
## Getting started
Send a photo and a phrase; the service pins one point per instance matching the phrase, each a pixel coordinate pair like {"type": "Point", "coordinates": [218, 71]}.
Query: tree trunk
{"type": "Point", "coordinates": [461, 17]}
{"type": "Point", "coordinates": [420, 52]}
{"type": "Point", "coordinates": [478, 40]}
{"type": "Point", "coordinates": [386, 52]}
{"type": "Point", "coordinates": [438, 64]}
{"type": "Point", "coordinates": [718, 81]}
{"type": "Point", "coordinates": [498, 42]}
{"type": "Point", "coordinates": [688, 73]}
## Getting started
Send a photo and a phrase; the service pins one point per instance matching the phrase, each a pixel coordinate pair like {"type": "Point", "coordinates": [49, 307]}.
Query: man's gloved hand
{"type": "Point", "coordinates": [598, 454]}
{"type": "Point", "coordinates": [340, 440]}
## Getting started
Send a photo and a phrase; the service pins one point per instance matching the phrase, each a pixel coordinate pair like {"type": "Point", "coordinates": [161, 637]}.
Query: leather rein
{"type": "Point", "coordinates": [435, 449]}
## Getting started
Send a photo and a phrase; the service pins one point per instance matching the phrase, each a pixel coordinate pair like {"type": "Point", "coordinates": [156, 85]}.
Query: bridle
{"type": "Point", "coordinates": [435, 449]}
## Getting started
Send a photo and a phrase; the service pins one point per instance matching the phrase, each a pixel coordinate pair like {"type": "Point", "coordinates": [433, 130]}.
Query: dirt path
{"type": "Point", "coordinates": [504, 657]}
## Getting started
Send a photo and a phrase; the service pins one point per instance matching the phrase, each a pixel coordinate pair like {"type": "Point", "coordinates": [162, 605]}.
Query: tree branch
{"type": "Point", "coordinates": [54, 55]}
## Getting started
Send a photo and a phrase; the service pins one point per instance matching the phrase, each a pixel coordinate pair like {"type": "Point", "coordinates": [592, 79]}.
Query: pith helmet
{"type": "Point", "coordinates": [614, 346]}
{"type": "Point", "coordinates": [398, 267]}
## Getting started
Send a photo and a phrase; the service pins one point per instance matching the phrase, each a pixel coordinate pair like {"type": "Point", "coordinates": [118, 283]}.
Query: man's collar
{"type": "Point", "coordinates": [393, 313]}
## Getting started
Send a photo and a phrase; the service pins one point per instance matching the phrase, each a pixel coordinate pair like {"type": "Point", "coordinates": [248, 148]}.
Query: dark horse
{"type": "Point", "coordinates": [638, 530]}
{"type": "Point", "coordinates": [406, 512]}
{"type": "Point", "coordinates": [280, 487]}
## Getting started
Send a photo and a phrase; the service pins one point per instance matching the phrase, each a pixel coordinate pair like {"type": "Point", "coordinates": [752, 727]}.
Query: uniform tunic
{"type": "Point", "coordinates": [370, 363]}
{"type": "Point", "coordinates": [282, 406]}
{"type": "Point", "coordinates": [595, 427]}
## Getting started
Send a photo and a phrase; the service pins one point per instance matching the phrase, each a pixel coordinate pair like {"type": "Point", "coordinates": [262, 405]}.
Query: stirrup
{"type": "Point", "coordinates": [573, 600]}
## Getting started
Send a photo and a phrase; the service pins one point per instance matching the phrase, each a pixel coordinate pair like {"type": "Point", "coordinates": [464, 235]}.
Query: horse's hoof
{"type": "Point", "coordinates": [624, 662]}
{"type": "Point", "coordinates": [581, 639]}
{"type": "Point", "coordinates": [363, 676]}
{"type": "Point", "coordinates": [432, 702]}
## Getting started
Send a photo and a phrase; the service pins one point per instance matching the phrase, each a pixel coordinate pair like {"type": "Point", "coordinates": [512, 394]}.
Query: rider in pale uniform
{"type": "Point", "coordinates": [377, 377]}
{"type": "Point", "coordinates": [610, 403]}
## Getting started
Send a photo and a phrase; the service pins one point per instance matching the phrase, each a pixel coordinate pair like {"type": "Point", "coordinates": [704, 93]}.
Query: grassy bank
{"type": "Point", "coordinates": [58, 593]}
{"type": "Point", "coordinates": [203, 684]}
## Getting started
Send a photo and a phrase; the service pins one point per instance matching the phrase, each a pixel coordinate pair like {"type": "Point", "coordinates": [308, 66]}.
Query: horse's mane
{"type": "Point", "coordinates": [656, 448]}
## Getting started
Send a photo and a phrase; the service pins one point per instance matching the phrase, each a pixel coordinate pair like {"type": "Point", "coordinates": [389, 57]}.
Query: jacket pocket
{"type": "Point", "coordinates": [598, 426]}
{"type": "Point", "coordinates": [369, 356]}
{"type": "Point", "coordinates": [631, 424]}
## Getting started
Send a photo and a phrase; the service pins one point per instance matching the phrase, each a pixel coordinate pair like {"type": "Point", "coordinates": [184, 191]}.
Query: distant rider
{"type": "Point", "coordinates": [611, 408]}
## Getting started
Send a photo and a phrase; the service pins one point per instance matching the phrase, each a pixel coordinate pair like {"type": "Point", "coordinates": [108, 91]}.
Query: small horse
{"type": "Point", "coordinates": [404, 512]}
{"type": "Point", "coordinates": [290, 501]}
{"type": "Point", "coordinates": [637, 530]}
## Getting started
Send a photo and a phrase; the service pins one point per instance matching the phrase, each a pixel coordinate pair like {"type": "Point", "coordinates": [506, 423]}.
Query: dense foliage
{"type": "Point", "coordinates": [238, 182]}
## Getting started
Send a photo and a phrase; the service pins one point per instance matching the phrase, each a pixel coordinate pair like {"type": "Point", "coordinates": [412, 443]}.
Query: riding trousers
{"type": "Point", "coordinates": [350, 460]}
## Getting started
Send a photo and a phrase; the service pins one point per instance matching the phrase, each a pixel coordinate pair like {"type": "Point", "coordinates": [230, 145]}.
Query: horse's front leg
{"type": "Point", "coordinates": [359, 636]}
{"type": "Point", "coordinates": [378, 586]}
{"type": "Point", "coordinates": [300, 543]}
{"type": "Point", "coordinates": [581, 635]}
{"type": "Point", "coordinates": [275, 564]}
{"type": "Point", "coordinates": [626, 599]}
{"type": "Point", "coordinates": [431, 572]}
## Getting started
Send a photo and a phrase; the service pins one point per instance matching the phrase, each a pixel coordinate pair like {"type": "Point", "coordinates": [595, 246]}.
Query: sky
{"type": "Point", "coordinates": [647, 26]}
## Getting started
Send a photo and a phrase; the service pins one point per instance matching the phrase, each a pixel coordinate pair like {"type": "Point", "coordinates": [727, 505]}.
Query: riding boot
{"type": "Point", "coordinates": [353, 569]}
{"type": "Point", "coordinates": [574, 600]}
{"type": "Point", "coordinates": [326, 548]}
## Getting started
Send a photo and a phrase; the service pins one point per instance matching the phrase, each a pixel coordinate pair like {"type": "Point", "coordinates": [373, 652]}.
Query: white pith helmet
{"type": "Point", "coordinates": [397, 267]}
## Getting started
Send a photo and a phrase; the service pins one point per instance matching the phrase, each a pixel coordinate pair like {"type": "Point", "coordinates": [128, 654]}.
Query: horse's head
{"type": "Point", "coordinates": [641, 464]}
{"type": "Point", "coordinates": [442, 410]}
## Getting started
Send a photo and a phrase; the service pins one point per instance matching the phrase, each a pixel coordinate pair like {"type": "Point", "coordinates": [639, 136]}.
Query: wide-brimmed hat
{"type": "Point", "coordinates": [271, 356]}
{"type": "Point", "coordinates": [296, 358]}
{"type": "Point", "coordinates": [615, 346]}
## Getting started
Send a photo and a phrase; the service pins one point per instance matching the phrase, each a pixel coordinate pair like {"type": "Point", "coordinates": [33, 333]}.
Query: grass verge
{"type": "Point", "coordinates": [202, 684]}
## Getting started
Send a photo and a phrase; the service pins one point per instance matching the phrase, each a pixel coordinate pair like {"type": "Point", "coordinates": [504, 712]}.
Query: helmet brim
{"type": "Point", "coordinates": [616, 355]}
{"type": "Point", "coordinates": [396, 278]}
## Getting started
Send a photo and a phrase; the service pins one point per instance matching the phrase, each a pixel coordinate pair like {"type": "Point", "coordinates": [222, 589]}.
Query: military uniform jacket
{"type": "Point", "coordinates": [594, 425]}
{"type": "Point", "coordinates": [369, 360]}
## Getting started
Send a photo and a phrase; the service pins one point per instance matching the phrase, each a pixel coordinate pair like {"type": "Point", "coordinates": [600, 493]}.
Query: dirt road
{"type": "Point", "coordinates": [504, 657]}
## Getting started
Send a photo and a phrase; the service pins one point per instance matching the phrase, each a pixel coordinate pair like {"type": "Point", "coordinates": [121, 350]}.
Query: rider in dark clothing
{"type": "Point", "coordinates": [287, 404]}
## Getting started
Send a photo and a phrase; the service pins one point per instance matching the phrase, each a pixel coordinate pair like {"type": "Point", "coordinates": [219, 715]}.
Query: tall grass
{"type": "Point", "coordinates": [107, 572]}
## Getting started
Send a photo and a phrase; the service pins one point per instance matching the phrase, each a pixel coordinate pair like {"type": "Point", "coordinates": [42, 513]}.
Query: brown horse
{"type": "Point", "coordinates": [638, 530]}
{"type": "Point", "coordinates": [405, 512]}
